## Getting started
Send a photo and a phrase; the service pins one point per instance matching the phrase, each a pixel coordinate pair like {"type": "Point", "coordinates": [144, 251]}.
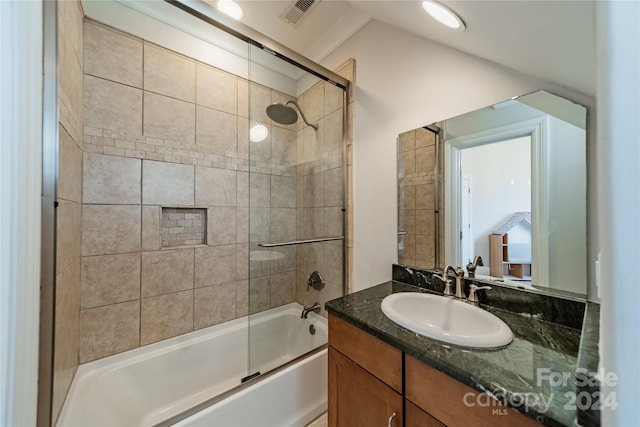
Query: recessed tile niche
{"type": "Point", "coordinates": [183, 227]}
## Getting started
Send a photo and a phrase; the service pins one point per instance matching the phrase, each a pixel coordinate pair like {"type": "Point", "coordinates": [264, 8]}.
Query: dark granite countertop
{"type": "Point", "coordinates": [534, 374]}
{"type": "Point", "coordinates": [588, 360]}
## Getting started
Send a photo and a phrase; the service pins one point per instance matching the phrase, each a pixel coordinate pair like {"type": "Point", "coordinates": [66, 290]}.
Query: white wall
{"type": "Point", "coordinates": [617, 177]}
{"type": "Point", "coordinates": [404, 82]}
{"type": "Point", "coordinates": [500, 186]}
{"type": "Point", "coordinates": [20, 177]}
{"type": "Point", "coordinates": [566, 194]}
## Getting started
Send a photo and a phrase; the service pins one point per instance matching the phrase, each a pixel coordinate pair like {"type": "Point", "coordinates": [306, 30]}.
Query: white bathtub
{"type": "Point", "coordinates": [151, 384]}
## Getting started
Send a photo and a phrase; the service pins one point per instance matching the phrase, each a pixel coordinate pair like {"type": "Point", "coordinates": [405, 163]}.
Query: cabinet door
{"type": "Point", "coordinates": [357, 398]}
{"type": "Point", "coordinates": [415, 417]}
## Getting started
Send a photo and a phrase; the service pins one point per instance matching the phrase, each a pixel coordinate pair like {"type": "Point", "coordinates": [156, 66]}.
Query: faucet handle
{"type": "Point", "coordinates": [315, 281]}
{"type": "Point", "coordinates": [473, 298]}
{"type": "Point", "coordinates": [447, 282]}
{"type": "Point", "coordinates": [448, 291]}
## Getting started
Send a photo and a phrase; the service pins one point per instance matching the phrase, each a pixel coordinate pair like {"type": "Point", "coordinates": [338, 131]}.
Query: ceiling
{"type": "Point", "coordinates": [549, 40]}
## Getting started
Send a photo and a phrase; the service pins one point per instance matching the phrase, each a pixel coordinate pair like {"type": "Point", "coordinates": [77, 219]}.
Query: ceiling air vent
{"type": "Point", "coordinates": [298, 9]}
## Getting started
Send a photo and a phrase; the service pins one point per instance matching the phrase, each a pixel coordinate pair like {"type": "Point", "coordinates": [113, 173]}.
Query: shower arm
{"type": "Point", "coordinates": [291, 101]}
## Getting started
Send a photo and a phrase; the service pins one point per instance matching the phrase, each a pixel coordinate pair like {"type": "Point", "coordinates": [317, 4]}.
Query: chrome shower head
{"type": "Point", "coordinates": [285, 115]}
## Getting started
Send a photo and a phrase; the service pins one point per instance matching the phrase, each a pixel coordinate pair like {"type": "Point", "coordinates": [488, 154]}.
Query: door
{"type": "Point", "coordinates": [294, 204]}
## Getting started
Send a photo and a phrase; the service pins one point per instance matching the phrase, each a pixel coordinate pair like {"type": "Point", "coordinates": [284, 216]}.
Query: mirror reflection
{"type": "Point", "coordinates": [504, 186]}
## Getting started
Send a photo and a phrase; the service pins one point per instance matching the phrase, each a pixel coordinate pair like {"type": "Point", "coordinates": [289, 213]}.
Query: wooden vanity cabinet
{"type": "Point", "coordinates": [366, 388]}
{"type": "Point", "coordinates": [365, 378]}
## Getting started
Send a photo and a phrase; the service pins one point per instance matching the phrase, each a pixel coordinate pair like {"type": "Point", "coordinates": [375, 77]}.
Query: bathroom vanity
{"type": "Point", "coordinates": [383, 374]}
{"type": "Point", "coordinates": [370, 382]}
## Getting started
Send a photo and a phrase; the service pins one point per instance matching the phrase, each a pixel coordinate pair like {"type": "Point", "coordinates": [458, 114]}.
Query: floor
{"type": "Point", "coordinates": [321, 421]}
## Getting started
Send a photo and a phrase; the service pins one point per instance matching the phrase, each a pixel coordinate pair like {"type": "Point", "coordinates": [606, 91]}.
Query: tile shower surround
{"type": "Point", "coordinates": [69, 211]}
{"type": "Point", "coordinates": [416, 163]}
{"type": "Point", "coordinates": [164, 130]}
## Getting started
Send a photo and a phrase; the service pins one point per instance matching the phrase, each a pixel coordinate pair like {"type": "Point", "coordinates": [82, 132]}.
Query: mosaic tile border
{"type": "Point", "coordinates": [124, 144]}
{"type": "Point", "coordinates": [419, 179]}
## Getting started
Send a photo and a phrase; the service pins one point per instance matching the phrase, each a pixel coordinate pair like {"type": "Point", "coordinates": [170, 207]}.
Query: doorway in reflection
{"type": "Point", "coordinates": [495, 188]}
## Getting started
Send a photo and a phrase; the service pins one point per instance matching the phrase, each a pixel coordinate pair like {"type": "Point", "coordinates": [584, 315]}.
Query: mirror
{"type": "Point", "coordinates": [506, 183]}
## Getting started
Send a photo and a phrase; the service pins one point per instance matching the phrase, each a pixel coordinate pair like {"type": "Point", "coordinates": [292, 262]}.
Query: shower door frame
{"type": "Point", "coordinates": [309, 168]}
{"type": "Point", "coordinates": [207, 13]}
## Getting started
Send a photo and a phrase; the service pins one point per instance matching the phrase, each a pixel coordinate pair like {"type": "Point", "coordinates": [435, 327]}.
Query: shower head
{"type": "Point", "coordinates": [286, 115]}
{"type": "Point", "coordinates": [282, 114]}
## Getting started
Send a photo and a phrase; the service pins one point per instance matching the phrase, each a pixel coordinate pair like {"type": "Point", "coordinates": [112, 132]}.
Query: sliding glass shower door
{"type": "Point", "coordinates": [295, 208]}
{"type": "Point", "coordinates": [212, 193]}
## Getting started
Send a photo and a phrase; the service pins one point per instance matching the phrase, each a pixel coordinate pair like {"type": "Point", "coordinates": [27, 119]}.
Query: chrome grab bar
{"type": "Point", "coordinates": [299, 242]}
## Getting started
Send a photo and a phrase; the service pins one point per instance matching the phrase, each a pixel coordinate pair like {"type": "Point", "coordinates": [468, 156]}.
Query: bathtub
{"type": "Point", "coordinates": [159, 382]}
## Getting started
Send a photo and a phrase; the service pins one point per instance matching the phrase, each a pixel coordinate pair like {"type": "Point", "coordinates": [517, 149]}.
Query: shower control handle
{"type": "Point", "coordinates": [315, 281]}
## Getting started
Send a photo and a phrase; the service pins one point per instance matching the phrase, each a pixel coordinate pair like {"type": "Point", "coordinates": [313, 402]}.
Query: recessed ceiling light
{"type": "Point", "coordinates": [230, 8]}
{"type": "Point", "coordinates": [258, 133]}
{"type": "Point", "coordinates": [443, 15]}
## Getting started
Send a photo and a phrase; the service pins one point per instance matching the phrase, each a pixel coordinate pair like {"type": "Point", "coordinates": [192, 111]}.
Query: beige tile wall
{"type": "Point", "coordinates": [165, 130]}
{"type": "Point", "coordinates": [320, 191]}
{"type": "Point", "coordinates": [69, 211]}
{"type": "Point", "coordinates": [416, 166]}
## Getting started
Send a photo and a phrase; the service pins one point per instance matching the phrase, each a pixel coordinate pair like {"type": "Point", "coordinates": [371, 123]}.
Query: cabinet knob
{"type": "Point", "coordinates": [391, 419]}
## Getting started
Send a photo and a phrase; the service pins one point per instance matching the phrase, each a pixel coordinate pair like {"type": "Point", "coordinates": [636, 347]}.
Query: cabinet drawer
{"type": "Point", "coordinates": [444, 398]}
{"type": "Point", "coordinates": [374, 355]}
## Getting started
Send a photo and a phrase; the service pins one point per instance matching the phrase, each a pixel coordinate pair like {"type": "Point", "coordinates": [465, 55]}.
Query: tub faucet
{"type": "Point", "coordinates": [471, 267]}
{"type": "Point", "coordinates": [306, 310]}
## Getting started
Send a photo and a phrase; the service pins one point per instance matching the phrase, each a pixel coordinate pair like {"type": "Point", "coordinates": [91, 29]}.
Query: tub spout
{"type": "Point", "coordinates": [306, 310]}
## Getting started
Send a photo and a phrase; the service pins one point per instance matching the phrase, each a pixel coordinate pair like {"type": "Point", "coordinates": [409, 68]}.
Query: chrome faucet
{"type": "Point", "coordinates": [471, 267]}
{"type": "Point", "coordinates": [306, 310]}
{"type": "Point", "coordinates": [458, 273]}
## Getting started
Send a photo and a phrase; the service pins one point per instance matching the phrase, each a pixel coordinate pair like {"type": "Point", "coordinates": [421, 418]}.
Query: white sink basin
{"type": "Point", "coordinates": [447, 319]}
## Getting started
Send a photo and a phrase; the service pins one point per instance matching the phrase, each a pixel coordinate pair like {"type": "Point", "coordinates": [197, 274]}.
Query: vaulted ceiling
{"type": "Point", "coordinates": [549, 40]}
